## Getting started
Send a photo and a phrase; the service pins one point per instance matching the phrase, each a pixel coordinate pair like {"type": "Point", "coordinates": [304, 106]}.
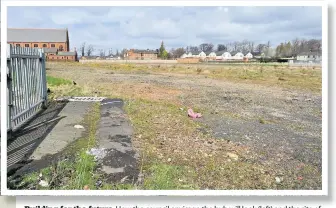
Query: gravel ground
{"type": "Point", "coordinates": [281, 127]}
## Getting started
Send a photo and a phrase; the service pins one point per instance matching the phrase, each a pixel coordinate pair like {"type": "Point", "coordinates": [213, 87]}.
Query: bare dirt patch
{"type": "Point", "coordinates": [257, 132]}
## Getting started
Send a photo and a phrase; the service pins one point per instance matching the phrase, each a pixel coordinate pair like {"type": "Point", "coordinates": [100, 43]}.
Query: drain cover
{"type": "Point", "coordinates": [81, 99]}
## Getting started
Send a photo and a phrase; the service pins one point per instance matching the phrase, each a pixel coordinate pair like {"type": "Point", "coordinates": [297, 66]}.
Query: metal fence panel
{"type": "Point", "coordinates": [26, 85]}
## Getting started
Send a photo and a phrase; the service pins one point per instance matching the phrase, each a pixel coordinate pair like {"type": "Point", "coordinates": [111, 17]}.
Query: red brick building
{"type": "Point", "coordinates": [134, 54]}
{"type": "Point", "coordinates": [55, 42]}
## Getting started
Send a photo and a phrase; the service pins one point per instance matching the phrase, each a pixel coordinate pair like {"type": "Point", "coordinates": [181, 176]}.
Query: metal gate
{"type": "Point", "coordinates": [26, 84]}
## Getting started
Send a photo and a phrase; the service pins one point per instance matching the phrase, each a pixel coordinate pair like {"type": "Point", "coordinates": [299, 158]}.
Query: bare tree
{"type": "Point", "coordinates": [221, 47]}
{"type": "Point", "coordinates": [102, 53]}
{"type": "Point", "coordinates": [229, 47]}
{"type": "Point", "coordinates": [267, 49]}
{"type": "Point", "coordinates": [260, 47]}
{"type": "Point", "coordinates": [123, 53]}
{"type": "Point", "coordinates": [110, 52]}
{"type": "Point", "coordinates": [303, 45]}
{"type": "Point", "coordinates": [251, 46]}
{"type": "Point", "coordinates": [89, 50]}
{"type": "Point", "coordinates": [314, 44]}
{"type": "Point", "coordinates": [244, 46]}
{"type": "Point", "coordinates": [271, 52]}
{"type": "Point", "coordinates": [193, 49]}
{"type": "Point", "coordinates": [82, 49]}
{"type": "Point", "coordinates": [236, 46]}
{"type": "Point", "coordinates": [206, 47]}
{"type": "Point", "coordinates": [178, 52]}
{"type": "Point", "coordinates": [295, 46]}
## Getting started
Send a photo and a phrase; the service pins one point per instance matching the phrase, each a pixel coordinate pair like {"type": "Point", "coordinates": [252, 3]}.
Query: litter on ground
{"type": "Point", "coordinates": [97, 153]}
{"type": "Point", "coordinates": [192, 114]}
{"type": "Point", "coordinates": [79, 127]}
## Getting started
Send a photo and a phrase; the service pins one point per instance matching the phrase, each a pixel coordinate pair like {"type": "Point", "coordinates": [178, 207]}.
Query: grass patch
{"type": "Point", "coordinates": [167, 177]}
{"type": "Point", "coordinates": [54, 81]}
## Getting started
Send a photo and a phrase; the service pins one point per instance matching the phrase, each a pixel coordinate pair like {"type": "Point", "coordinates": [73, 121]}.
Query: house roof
{"type": "Point", "coordinates": [50, 50]}
{"type": "Point", "coordinates": [219, 53]}
{"type": "Point", "coordinates": [255, 53]}
{"type": "Point", "coordinates": [36, 35]}
{"type": "Point", "coordinates": [144, 51]}
{"type": "Point", "coordinates": [66, 53]}
{"type": "Point", "coordinates": [89, 57]}
{"type": "Point", "coordinates": [234, 52]}
{"type": "Point", "coordinates": [208, 52]}
{"type": "Point", "coordinates": [196, 52]}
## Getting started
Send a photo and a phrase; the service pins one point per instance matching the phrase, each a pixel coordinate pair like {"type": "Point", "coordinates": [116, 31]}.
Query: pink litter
{"type": "Point", "coordinates": [192, 114]}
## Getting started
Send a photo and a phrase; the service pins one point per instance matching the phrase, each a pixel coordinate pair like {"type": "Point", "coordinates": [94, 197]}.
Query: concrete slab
{"type": "Point", "coordinates": [47, 134]}
{"type": "Point", "coordinates": [114, 136]}
{"type": "Point", "coordinates": [35, 148]}
{"type": "Point", "coordinates": [64, 132]}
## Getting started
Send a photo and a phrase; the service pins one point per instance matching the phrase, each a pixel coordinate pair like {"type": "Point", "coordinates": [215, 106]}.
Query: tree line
{"type": "Point", "coordinates": [284, 49]}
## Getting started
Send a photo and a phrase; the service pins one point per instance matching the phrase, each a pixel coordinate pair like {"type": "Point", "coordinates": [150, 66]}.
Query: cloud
{"type": "Point", "coordinates": [146, 27]}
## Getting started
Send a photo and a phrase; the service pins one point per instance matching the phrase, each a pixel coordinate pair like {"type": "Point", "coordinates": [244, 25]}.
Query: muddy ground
{"type": "Point", "coordinates": [279, 127]}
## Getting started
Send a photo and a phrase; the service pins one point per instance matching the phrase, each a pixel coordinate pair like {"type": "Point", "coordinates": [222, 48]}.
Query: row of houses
{"type": "Point", "coordinates": [218, 55]}
{"type": "Point", "coordinates": [315, 56]}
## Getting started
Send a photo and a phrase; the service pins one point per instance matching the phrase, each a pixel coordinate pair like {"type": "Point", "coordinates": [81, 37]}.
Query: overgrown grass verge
{"type": "Point", "coordinates": [55, 81]}
{"type": "Point", "coordinates": [78, 170]}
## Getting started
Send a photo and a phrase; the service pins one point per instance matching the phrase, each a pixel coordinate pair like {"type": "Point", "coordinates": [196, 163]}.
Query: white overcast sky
{"type": "Point", "coordinates": [145, 27]}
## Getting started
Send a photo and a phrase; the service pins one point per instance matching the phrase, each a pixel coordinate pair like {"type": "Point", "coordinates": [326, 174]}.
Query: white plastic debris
{"type": "Point", "coordinates": [97, 153]}
{"type": "Point", "coordinates": [43, 183]}
{"type": "Point", "coordinates": [278, 180]}
{"type": "Point", "coordinates": [79, 127]}
{"type": "Point", "coordinates": [123, 179]}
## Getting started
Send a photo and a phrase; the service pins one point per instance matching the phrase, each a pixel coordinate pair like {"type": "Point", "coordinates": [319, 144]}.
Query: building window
{"type": "Point", "coordinates": [53, 45]}
{"type": "Point", "coordinates": [18, 45]}
{"type": "Point", "coordinates": [44, 45]}
{"type": "Point", "coordinates": [35, 45]}
{"type": "Point", "coordinates": [60, 48]}
{"type": "Point", "coordinates": [27, 45]}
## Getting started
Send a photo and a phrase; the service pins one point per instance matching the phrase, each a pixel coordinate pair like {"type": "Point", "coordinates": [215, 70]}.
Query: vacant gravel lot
{"type": "Point", "coordinates": [257, 131]}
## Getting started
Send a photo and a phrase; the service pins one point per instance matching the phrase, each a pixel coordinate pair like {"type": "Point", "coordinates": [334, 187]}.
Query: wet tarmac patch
{"type": "Point", "coordinates": [114, 135]}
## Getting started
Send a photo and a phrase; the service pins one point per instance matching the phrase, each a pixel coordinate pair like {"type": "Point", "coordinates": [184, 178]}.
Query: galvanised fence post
{"type": "Point", "coordinates": [9, 91]}
{"type": "Point", "coordinates": [44, 79]}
